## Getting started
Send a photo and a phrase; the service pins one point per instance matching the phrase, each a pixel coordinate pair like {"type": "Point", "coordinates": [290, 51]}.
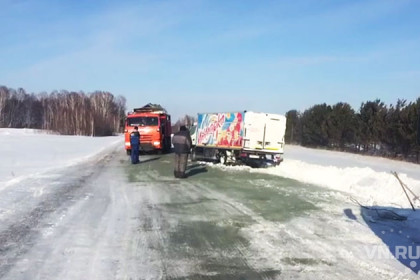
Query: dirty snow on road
{"type": "Point", "coordinates": [89, 214]}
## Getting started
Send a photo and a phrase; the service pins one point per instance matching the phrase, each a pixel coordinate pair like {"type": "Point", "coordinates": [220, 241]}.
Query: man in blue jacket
{"type": "Point", "coordinates": [182, 146]}
{"type": "Point", "coordinates": [135, 145]}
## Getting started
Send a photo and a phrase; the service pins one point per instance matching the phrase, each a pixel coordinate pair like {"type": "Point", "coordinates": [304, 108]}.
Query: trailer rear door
{"type": "Point", "coordinates": [264, 132]}
{"type": "Point", "coordinates": [275, 127]}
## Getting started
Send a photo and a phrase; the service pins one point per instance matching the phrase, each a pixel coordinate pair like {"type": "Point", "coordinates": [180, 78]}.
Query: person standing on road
{"type": "Point", "coordinates": [135, 145]}
{"type": "Point", "coordinates": [182, 146]}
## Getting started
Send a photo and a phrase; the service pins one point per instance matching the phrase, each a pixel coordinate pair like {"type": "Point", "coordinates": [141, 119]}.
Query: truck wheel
{"type": "Point", "coordinates": [168, 144]}
{"type": "Point", "coordinates": [164, 147]}
{"type": "Point", "coordinates": [128, 152]}
{"type": "Point", "coordinates": [221, 158]}
{"type": "Point", "coordinates": [193, 155]}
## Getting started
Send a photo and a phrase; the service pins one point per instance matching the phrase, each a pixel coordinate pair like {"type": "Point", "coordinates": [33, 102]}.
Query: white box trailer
{"type": "Point", "coordinates": [248, 137]}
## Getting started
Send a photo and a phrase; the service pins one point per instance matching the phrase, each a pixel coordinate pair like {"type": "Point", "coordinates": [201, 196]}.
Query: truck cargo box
{"type": "Point", "coordinates": [248, 137]}
{"type": "Point", "coordinates": [220, 130]}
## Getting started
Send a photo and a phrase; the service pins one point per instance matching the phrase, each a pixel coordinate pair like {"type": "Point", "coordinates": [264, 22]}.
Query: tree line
{"type": "Point", "coordinates": [71, 113]}
{"type": "Point", "coordinates": [186, 120]}
{"type": "Point", "coordinates": [390, 131]}
{"type": "Point", "coordinates": [375, 128]}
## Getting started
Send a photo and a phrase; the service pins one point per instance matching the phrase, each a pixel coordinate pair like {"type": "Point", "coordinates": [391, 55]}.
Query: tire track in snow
{"type": "Point", "coordinates": [19, 237]}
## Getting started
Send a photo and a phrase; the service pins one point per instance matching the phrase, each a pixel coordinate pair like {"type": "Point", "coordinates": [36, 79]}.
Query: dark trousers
{"type": "Point", "coordinates": [180, 165]}
{"type": "Point", "coordinates": [135, 153]}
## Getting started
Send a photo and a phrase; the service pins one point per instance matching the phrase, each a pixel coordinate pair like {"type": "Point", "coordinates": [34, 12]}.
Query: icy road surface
{"type": "Point", "coordinates": [108, 219]}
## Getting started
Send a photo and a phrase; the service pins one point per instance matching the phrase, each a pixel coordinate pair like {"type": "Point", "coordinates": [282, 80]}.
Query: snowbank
{"type": "Point", "coordinates": [364, 177]}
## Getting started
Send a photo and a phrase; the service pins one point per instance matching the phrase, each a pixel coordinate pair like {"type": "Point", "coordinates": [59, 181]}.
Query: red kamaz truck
{"type": "Point", "coordinates": [154, 125]}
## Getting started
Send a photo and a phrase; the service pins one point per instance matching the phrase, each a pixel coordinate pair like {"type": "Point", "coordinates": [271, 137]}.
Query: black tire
{"type": "Point", "coordinates": [167, 145]}
{"type": "Point", "coordinates": [128, 152]}
{"type": "Point", "coordinates": [221, 158]}
{"type": "Point", "coordinates": [193, 155]}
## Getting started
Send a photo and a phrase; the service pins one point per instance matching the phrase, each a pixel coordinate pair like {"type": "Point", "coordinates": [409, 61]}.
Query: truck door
{"type": "Point", "coordinates": [264, 132]}
{"type": "Point", "coordinates": [254, 131]}
{"type": "Point", "coordinates": [274, 133]}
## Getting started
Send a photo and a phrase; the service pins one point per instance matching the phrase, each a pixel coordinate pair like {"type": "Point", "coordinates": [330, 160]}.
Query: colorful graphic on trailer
{"type": "Point", "coordinates": [221, 129]}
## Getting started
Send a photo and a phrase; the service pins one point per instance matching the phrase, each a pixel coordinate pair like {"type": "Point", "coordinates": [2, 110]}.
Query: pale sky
{"type": "Point", "coordinates": [212, 56]}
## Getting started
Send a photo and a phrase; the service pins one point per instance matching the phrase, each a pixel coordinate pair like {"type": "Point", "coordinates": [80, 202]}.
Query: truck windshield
{"type": "Point", "coordinates": [143, 121]}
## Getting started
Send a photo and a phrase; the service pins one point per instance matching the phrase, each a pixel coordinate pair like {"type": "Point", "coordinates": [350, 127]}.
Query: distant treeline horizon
{"type": "Point", "coordinates": [376, 129]}
{"type": "Point", "coordinates": [391, 131]}
{"type": "Point", "coordinates": [70, 113]}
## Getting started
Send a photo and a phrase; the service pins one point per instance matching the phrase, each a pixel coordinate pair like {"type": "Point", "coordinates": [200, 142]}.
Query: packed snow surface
{"type": "Point", "coordinates": [332, 237]}
{"type": "Point", "coordinates": [26, 152]}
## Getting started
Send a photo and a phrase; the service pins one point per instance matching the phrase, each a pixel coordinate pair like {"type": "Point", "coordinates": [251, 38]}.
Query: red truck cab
{"type": "Point", "coordinates": [154, 125]}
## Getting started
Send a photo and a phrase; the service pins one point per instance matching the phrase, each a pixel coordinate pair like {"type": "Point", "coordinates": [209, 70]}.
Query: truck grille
{"type": "Point", "coordinates": [145, 138]}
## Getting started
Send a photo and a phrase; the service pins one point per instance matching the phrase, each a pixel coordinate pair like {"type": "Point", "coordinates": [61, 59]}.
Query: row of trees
{"type": "Point", "coordinates": [186, 120]}
{"type": "Point", "coordinates": [72, 113]}
{"type": "Point", "coordinates": [374, 129]}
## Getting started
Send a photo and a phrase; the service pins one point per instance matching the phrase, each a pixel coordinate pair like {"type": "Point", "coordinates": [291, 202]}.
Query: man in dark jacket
{"type": "Point", "coordinates": [135, 145]}
{"type": "Point", "coordinates": [182, 146]}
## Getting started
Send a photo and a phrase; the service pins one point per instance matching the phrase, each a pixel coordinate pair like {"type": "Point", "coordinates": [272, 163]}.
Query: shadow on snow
{"type": "Point", "coordinates": [195, 169]}
{"type": "Point", "coordinates": [399, 230]}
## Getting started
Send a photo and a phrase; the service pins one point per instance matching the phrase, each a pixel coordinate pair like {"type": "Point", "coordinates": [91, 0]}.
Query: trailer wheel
{"type": "Point", "coordinates": [221, 158]}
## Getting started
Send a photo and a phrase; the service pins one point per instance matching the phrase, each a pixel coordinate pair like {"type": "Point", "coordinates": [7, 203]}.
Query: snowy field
{"type": "Point", "coordinates": [28, 152]}
{"type": "Point", "coordinates": [340, 232]}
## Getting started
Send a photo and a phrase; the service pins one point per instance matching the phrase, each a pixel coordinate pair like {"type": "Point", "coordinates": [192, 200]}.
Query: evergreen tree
{"type": "Point", "coordinates": [405, 127]}
{"type": "Point", "coordinates": [342, 125]}
{"type": "Point", "coordinates": [372, 122]}
{"type": "Point", "coordinates": [315, 125]}
{"type": "Point", "coordinates": [293, 127]}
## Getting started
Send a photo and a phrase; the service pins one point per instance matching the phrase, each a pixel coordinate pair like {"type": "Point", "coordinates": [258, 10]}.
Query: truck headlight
{"type": "Point", "coordinates": [156, 143]}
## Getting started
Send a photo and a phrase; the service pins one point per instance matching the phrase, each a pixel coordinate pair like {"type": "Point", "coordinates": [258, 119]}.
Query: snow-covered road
{"type": "Point", "coordinates": [104, 218]}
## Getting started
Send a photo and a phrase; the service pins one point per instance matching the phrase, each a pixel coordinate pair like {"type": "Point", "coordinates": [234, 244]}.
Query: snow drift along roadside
{"type": "Point", "coordinates": [364, 177]}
